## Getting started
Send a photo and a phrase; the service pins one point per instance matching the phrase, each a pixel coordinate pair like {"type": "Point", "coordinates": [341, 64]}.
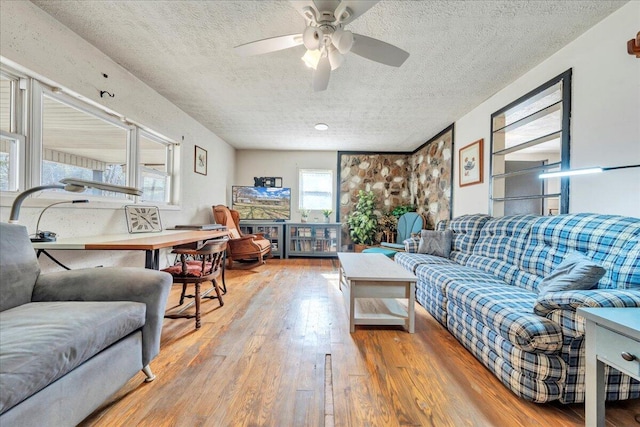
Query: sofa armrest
{"type": "Point", "coordinates": [571, 300]}
{"type": "Point", "coordinates": [113, 284]}
{"type": "Point", "coordinates": [411, 245]}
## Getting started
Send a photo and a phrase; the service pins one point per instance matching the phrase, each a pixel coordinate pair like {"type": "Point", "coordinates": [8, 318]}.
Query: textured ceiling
{"type": "Point", "coordinates": [462, 52]}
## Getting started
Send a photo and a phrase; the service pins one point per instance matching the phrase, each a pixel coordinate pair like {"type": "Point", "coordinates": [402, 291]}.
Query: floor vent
{"type": "Point", "coordinates": [328, 392]}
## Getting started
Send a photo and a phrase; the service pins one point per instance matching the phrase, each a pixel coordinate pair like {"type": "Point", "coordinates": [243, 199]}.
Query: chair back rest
{"type": "Point", "coordinates": [19, 268]}
{"type": "Point", "coordinates": [410, 222]}
{"type": "Point", "coordinates": [223, 215]}
{"type": "Point", "coordinates": [212, 254]}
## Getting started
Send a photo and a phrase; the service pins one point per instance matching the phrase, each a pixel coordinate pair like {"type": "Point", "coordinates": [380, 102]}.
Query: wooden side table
{"type": "Point", "coordinates": [612, 337]}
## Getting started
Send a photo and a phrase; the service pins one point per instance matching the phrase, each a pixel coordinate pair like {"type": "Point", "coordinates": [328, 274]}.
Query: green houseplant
{"type": "Point", "coordinates": [363, 222]}
{"type": "Point", "coordinates": [400, 210]}
{"type": "Point", "coordinates": [327, 213]}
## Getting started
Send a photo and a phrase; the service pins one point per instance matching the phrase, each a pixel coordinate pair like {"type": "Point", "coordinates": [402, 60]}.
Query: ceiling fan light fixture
{"type": "Point", "coordinates": [321, 126]}
{"type": "Point", "coordinates": [312, 37]}
{"type": "Point", "coordinates": [342, 40]}
{"type": "Point", "coordinates": [335, 58]}
{"type": "Point", "coordinates": [311, 58]}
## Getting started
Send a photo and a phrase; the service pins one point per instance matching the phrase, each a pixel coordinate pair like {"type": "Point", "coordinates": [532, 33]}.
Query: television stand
{"type": "Point", "coordinates": [272, 231]}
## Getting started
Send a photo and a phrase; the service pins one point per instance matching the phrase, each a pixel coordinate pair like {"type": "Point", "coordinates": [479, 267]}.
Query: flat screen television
{"type": "Point", "coordinates": [261, 203]}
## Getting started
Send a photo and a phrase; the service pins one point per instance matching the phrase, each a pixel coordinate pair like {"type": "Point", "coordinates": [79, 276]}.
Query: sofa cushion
{"type": "Point", "coordinates": [508, 310]}
{"type": "Point", "coordinates": [466, 230]}
{"type": "Point", "coordinates": [411, 261]}
{"type": "Point", "coordinates": [606, 239]}
{"type": "Point", "coordinates": [576, 272]}
{"type": "Point", "coordinates": [19, 267]}
{"type": "Point", "coordinates": [500, 246]}
{"type": "Point", "coordinates": [43, 341]}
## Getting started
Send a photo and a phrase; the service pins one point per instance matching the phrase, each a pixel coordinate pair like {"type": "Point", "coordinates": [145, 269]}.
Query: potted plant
{"type": "Point", "coordinates": [304, 214]}
{"type": "Point", "coordinates": [363, 222]}
{"type": "Point", "coordinates": [327, 213]}
{"type": "Point", "coordinates": [400, 210]}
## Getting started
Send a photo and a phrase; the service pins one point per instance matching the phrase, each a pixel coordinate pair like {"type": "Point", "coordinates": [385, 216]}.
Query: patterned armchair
{"type": "Point", "coordinates": [241, 247]}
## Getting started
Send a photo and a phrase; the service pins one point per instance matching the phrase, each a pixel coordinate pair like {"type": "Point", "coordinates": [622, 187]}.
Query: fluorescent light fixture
{"type": "Point", "coordinates": [584, 171]}
{"type": "Point", "coordinates": [558, 174]}
{"type": "Point", "coordinates": [321, 126]}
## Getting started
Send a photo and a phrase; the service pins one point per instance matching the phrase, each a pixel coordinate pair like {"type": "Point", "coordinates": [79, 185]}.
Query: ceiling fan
{"type": "Point", "coordinates": [326, 39]}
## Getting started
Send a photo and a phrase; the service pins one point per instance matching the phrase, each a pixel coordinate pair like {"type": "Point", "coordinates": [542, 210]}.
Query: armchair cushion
{"type": "Point", "coordinates": [60, 337]}
{"type": "Point", "coordinates": [20, 267]}
{"type": "Point", "coordinates": [113, 284]}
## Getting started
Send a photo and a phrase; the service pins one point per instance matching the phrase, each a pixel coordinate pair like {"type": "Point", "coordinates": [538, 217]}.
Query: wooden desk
{"type": "Point", "coordinates": [151, 243]}
{"type": "Point", "coordinates": [612, 338]}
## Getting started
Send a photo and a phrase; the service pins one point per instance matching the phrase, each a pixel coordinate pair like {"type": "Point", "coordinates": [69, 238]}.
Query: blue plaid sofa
{"type": "Point", "coordinates": [485, 294]}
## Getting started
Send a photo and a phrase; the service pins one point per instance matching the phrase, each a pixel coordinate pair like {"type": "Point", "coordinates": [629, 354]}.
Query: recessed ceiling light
{"type": "Point", "coordinates": [321, 126]}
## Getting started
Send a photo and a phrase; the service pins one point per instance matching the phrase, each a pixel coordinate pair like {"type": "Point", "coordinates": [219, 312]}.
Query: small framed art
{"type": "Point", "coordinates": [471, 163]}
{"type": "Point", "coordinates": [200, 161]}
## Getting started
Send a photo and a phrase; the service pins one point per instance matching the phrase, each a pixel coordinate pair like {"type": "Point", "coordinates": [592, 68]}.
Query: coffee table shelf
{"type": "Point", "coordinates": [371, 284]}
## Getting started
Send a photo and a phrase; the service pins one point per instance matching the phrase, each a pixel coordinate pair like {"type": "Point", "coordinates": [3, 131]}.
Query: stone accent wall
{"type": "Point", "coordinates": [431, 179]}
{"type": "Point", "coordinates": [387, 175]}
{"type": "Point", "coordinates": [422, 178]}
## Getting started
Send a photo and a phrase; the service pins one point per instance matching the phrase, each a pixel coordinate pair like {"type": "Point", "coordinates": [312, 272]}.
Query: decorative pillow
{"type": "Point", "coordinates": [436, 243]}
{"type": "Point", "coordinates": [575, 272]}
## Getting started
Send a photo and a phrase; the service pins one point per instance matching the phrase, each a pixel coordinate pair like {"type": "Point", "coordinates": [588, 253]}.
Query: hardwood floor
{"type": "Point", "coordinates": [262, 359]}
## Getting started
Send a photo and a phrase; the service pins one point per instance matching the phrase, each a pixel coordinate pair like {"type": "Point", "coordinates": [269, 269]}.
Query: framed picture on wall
{"type": "Point", "coordinates": [200, 161]}
{"type": "Point", "coordinates": [471, 163]}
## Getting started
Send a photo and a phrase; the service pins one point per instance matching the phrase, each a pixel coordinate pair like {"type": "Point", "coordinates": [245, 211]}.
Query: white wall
{"type": "Point", "coordinates": [34, 40]}
{"type": "Point", "coordinates": [285, 164]}
{"type": "Point", "coordinates": [605, 118]}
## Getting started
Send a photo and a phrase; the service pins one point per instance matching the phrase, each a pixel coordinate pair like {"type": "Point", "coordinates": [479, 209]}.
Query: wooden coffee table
{"type": "Point", "coordinates": [371, 284]}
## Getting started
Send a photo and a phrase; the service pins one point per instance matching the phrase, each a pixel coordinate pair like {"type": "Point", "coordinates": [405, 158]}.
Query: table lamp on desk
{"type": "Point", "coordinates": [73, 185]}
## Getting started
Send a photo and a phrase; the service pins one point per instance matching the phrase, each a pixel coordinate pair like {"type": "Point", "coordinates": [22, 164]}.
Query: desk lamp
{"type": "Point", "coordinates": [49, 236]}
{"type": "Point", "coordinates": [70, 184]}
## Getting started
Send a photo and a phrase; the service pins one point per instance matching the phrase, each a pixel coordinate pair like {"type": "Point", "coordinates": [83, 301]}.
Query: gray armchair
{"type": "Point", "coordinates": [71, 339]}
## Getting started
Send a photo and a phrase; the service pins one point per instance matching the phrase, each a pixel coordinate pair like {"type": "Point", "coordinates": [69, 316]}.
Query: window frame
{"type": "Point", "coordinates": [565, 144]}
{"type": "Point", "coordinates": [28, 94]}
{"type": "Point", "coordinates": [17, 128]}
{"type": "Point", "coordinates": [301, 192]}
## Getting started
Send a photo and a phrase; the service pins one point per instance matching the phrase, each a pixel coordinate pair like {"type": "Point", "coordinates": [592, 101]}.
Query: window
{"type": "Point", "coordinates": [80, 143]}
{"type": "Point", "coordinates": [528, 137]}
{"type": "Point", "coordinates": [70, 137]}
{"type": "Point", "coordinates": [155, 164]}
{"type": "Point", "coordinates": [316, 189]}
{"type": "Point", "coordinates": [11, 135]}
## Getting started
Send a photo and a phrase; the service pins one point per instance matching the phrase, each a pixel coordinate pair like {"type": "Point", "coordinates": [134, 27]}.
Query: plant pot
{"type": "Point", "coordinates": [359, 248]}
{"type": "Point", "coordinates": [326, 219]}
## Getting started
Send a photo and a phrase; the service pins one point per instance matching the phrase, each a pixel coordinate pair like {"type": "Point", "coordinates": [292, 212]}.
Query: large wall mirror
{"type": "Point", "coordinates": [528, 137]}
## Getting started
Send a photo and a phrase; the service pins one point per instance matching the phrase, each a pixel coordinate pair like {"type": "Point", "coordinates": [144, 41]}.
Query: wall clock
{"type": "Point", "coordinates": [143, 219]}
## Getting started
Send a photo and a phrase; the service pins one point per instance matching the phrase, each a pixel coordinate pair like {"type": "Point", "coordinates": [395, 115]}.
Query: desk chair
{"type": "Point", "coordinates": [205, 266]}
{"type": "Point", "coordinates": [410, 222]}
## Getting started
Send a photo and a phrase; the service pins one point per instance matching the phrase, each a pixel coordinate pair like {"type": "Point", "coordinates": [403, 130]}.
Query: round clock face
{"type": "Point", "coordinates": [142, 219]}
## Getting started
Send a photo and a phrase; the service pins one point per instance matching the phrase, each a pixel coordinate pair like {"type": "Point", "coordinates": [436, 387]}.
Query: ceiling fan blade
{"type": "Point", "coordinates": [357, 8]}
{"type": "Point", "coordinates": [272, 44]}
{"type": "Point", "coordinates": [321, 75]}
{"type": "Point", "coordinates": [379, 51]}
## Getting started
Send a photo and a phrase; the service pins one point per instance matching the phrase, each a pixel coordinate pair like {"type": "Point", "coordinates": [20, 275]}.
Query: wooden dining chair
{"type": "Point", "coordinates": [196, 266]}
